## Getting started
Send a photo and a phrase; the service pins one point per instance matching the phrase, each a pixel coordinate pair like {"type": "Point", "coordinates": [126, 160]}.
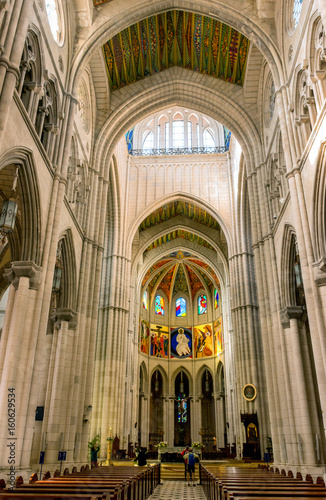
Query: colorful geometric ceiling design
{"type": "Point", "coordinates": [195, 283]}
{"type": "Point", "coordinates": [179, 234]}
{"type": "Point", "coordinates": [179, 254]}
{"type": "Point", "coordinates": [205, 277]}
{"type": "Point", "coordinates": [180, 282]}
{"type": "Point", "coordinates": [175, 38]}
{"type": "Point", "coordinates": [175, 208]}
{"type": "Point", "coordinates": [208, 269]}
{"type": "Point", "coordinates": [157, 276]}
{"type": "Point", "coordinates": [187, 276]}
{"type": "Point", "coordinates": [165, 284]}
{"type": "Point", "coordinates": [152, 269]}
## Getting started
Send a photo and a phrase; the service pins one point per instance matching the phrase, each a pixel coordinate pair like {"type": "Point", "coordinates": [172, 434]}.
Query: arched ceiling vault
{"type": "Point", "coordinates": [183, 263]}
{"type": "Point", "coordinates": [176, 38]}
{"type": "Point", "coordinates": [109, 19]}
{"type": "Point", "coordinates": [178, 86]}
{"type": "Point", "coordinates": [182, 212]}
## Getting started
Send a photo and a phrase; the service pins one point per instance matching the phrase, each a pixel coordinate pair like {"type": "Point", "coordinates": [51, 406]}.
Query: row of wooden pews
{"type": "Point", "coordinates": [104, 483]}
{"type": "Point", "coordinates": [234, 483]}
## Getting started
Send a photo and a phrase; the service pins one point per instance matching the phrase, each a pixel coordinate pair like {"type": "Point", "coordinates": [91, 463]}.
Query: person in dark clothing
{"type": "Point", "coordinates": [142, 457]}
{"type": "Point", "coordinates": [94, 451]}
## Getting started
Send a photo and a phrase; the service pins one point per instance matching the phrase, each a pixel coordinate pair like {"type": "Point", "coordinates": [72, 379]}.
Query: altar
{"type": "Point", "coordinates": [173, 453]}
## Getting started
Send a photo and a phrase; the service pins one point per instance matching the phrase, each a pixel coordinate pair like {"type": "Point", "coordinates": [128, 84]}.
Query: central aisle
{"type": "Point", "coordinates": [177, 490]}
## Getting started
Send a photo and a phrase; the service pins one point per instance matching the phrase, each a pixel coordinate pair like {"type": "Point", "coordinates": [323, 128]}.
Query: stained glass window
{"type": "Point", "coordinates": [180, 307]}
{"type": "Point", "coordinates": [145, 300]}
{"type": "Point", "coordinates": [202, 304]}
{"type": "Point", "coordinates": [182, 409]}
{"type": "Point", "coordinates": [297, 6]}
{"type": "Point", "coordinates": [159, 305]}
{"type": "Point", "coordinates": [216, 299]}
{"type": "Point", "coordinates": [149, 141]}
{"type": "Point", "coordinates": [52, 12]}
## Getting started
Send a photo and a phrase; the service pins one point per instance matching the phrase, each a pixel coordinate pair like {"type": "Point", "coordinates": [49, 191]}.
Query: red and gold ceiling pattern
{"type": "Point", "coordinates": [175, 38]}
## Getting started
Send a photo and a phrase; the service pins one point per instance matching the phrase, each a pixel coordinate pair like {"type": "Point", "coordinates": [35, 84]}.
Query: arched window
{"type": "Point", "coordinates": [208, 139]}
{"type": "Point", "coordinates": [202, 304]}
{"type": "Point", "coordinates": [159, 305]}
{"type": "Point", "coordinates": [216, 299]}
{"type": "Point", "coordinates": [297, 6]}
{"type": "Point", "coordinates": [180, 307]}
{"type": "Point", "coordinates": [54, 13]}
{"type": "Point", "coordinates": [145, 300]}
{"type": "Point", "coordinates": [178, 134]}
{"type": "Point", "coordinates": [149, 141]}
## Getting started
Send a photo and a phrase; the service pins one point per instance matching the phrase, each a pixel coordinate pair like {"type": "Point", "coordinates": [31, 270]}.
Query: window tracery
{"type": "Point", "coordinates": [30, 74]}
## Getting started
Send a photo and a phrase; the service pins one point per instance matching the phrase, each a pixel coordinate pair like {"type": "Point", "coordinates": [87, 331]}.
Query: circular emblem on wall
{"type": "Point", "coordinates": [249, 392]}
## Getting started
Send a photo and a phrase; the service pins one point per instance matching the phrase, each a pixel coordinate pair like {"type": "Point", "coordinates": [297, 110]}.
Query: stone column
{"type": "Point", "coordinates": [17, 357]}
{"type": "Point", "coordinates": [20, 20]}
{"type": "Point", "coordinates": [170, 435]}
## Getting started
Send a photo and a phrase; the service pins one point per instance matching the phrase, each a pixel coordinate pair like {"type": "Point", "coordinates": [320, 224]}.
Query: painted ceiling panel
{"type": "Point", "coordinates": [165, 284]}
{"type": "Point", "coordinates": [175, 38]}
{"type": "Point", "coordinates": [180, 282]}
{"type": "Point", "coordinates": [208, 268]}
{"type": "Point", "coordinates": [195, 282]}
{"type": "Point", "coordinates": [175, 208]}
{"type": "Point", "coordinates": [179, 234]}
{"type": "Point", "coordinates": [152, 269]}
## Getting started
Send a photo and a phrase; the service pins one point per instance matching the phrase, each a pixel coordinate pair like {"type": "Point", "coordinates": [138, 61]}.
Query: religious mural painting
{"type": "Point", "coordinates": [203, 341]}
{"type": "Point", "coordinates": [181, 343]}
{"type": "Point", "coordinates": [159, 341]}
{"type": "Point", "coordinates": [218, 334]}
{"type": "Point", "coordinates": [144, 336]}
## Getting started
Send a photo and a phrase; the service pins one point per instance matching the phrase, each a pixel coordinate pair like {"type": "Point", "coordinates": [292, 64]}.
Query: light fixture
{"type": "Point", "coordinates": [182, 386]}
{"type": "Point", "coordinates": [57, 272]}
{"type": "Point", "coordinates": [9, 209]}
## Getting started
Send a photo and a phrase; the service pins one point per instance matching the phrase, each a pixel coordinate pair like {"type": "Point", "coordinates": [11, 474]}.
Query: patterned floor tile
{"type": "Point", "coordinates": [177, 490]}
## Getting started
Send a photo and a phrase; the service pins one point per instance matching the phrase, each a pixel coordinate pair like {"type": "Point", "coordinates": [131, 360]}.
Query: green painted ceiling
{"type": "Point", "coordinates": [176, 208]}
{"type": "Point", "coordinates": [175, 38]}
{"type": "Point", "coordinates": [179, 234]}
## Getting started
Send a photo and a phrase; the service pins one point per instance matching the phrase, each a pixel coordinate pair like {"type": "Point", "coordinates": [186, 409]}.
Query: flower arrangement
{"type": "Point", "coordinates": [161, 444]}
{"type": "Point", "coordinates": [196, 444]}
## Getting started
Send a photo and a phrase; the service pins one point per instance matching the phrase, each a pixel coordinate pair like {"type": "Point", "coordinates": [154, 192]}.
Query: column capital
{"type": "Point", "coordinates": [319, 269]}
{"type": "Point", "coordinates": [68, 315]}
{"type": "Point", "coordinates": [25, 269]}
{"type": "Point", "coordinates": [290, 312]}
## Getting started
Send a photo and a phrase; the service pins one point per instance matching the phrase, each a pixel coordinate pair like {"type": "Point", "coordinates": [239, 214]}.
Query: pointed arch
{"type": "Point", "coordinates": [69, 288]}
{"type": "Point", "coordinates": [25, 241]}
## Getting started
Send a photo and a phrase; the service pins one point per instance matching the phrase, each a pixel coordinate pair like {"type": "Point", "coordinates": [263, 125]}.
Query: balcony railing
{"type": "Point", "coordinates": [178, 151]}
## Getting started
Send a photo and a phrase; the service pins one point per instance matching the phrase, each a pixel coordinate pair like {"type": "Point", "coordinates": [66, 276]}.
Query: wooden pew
{"type": "Point", "coordinates": [109, 483]}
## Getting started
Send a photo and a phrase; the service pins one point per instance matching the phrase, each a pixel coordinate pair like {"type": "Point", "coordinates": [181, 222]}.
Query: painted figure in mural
{"type": "Point", "coordinates": [203, 341]}
{"type": "Point", "coordinates": [166, 345]}
{"type": "Point", "coordinates": [182, 347]}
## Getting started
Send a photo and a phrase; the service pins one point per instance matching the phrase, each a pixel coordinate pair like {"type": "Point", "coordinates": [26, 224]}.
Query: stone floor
{"type": "Point", "coordinates": [177, 490]}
